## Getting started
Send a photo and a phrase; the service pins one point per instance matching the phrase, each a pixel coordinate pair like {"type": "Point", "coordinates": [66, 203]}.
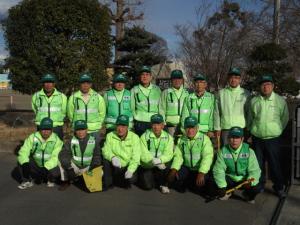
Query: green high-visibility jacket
{"type": "Point", "coordinates": [93, 112]}
{"type": "Point", "coordinates": [201, 108]}
{"type": "Point", "coordinates": [83, 159]}
{"type": "Point", "coordinates": [44, 152]}
{"type": "Point", "coordinates": [144, 102]}
{"type": "Point", "coordinates": [240, 164]}
{"type": "Point", "coordinates": [156, 147]}
{"type": "Point", "coordinates": [54, 107]}
{"type": "Point", "coordinates": [268, 116]}
{"type": "Point", "coordinates": [127, 150]}
{"type": "Point", "coordinates": [196, 153]}
{"type": "Point", "coordinates": [117, 103]}
{"type": "Point", "coordinates": [230, 108]}
{"type": "Point", "coordinates": [171, 103]}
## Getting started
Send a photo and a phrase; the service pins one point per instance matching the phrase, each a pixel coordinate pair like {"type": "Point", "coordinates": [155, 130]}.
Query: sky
{"type": "Point", "coordinates": [160, 17]}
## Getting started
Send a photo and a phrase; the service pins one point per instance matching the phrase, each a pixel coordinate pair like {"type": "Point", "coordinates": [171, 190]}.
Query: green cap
{"type": "Point", "coordinates": [46, 124]}
{"type": "Point", "coordinates": [190, 122]}
{"type": "Point", "coordinates": [123, 120]}
{"type": "Point", "coordinates": [199, 76]}
{"type": "Point", "coordinates": [146, 69]}
{"type": "Point", "coordinates": [48, 78]}
{"type": "Point", "coordinates": [80, 125]}
{"type": "Point", "coordinates": [119, 78]}
{"type": "Point", "coordinates": [236, 132]}
{"type": "Point", "coordinates": [234, 71]}
{"type": "Point", "coordinates": [157, 118]}
{"type": "Point", "coordinates": [85, 78]}
{"type": "Point", "coordinates": [176, 74]}
{"type": "Point", "coordinates": [266, 78]}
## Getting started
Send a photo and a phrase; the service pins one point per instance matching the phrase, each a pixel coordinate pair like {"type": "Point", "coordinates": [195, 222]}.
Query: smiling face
{"type": "Point", "coordinates": [235, 142]}
{"type": "Point", "coordinates": [157, 128]}
{"type": "Point", "coordinates": [176, 83]}
{"type": "Point", "coordinates": [46, 133]}
{"type": "Point", "coordinates": [81, 133]}
{"type": "Point", "coordinates": [234, 81]}
{"type": "Point", "coordinates": [266, 88]}
{"type": "Point", "coordinates": [145, 78]}
{"type": "Point", "coordinates": [48, 87]}
{"type": "Point", "coordinates": [191, 131]}
{"type": "Point", "coordinates": [122, 131]}
{"type": "Point", "coordinates": [200, 86]}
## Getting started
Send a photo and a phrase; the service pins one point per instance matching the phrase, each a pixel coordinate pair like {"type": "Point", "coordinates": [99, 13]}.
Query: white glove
{"type": "Point", "coordinates": [128, 174]}
{"type": "Point", "coordinates": [161, 166]}
{"type": "Point", "coordinates": [156, 161]}
{"type": "Point", "coordinates": [116, 162]}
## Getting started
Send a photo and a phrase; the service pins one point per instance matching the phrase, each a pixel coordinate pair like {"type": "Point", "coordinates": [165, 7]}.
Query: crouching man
{"type": "Point", "coordinates": [121, 154]}
{"type": "Point", "coordinates": [81, 154]}
{"type": "Point", "coordinates": [235, 163]}
{"type": "Point", "coordinates": [38, 157]}
{"type": "Point", "coordinates": [192, 159]}
{"type": "Point", "coordinates": [157, 152]}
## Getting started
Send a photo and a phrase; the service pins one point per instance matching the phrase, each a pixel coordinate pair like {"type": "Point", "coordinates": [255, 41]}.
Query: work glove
{"type": "Point", "coordinates": [221, 192]}
{"type": "Point", "coordinates": [128, 175]}
{"type": "Point", "coordinates": [161, 166]}
{"type": "Point", "coordinates": [171, 176]}
{"type": "Point", "coordinates": [71, 174]}
{"type": "Point", "coordinates": [156, 161]}
{"type": "Point", "coordinates": [116, 162]}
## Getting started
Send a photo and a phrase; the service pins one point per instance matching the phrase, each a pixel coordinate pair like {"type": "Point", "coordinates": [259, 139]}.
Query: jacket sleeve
{"type": "Point", "coordinates": [169, 151]}
{"type": "Point", "coordinates": [219, 171]}
{"type": "Point", "coordinates": [136, 155]}
{"type": "Point", "coordinates": [65, 156]}
{"type": "Point", "coordinates": [53, 161]}
{"type": "Point", "coordinates": [101, 109]}
{"type": "Point", "coordinates": [185, 113]}
{"type": "Point", "coordinates": [146, 156]}
{"type": "Point", "coordinates": [207, 155]}
{"type": "Point", "coordinates": [163, 104]}
{"type": "Point", "coordinates": [33, 105]}
{"type": "Point", "coordinates": [64, 105]}
{"type": "Point", "coordinates": [217, 123]}
{"type": "Point", "coordinates": [24, 152]}
{"type": "Point", "coordinates": [70, 108]}
{"type": "Point", "coordinates": [253, 168]}
{"type": "Point", "coordinates": [178, 159]}
{"type": "Point", "coordinates": [250, 114]}
{"type": "Point", "coordinates": [211, 116]}
{"type": "Point", "coordinates": [284, 115]}
{"type": "Point", "coordinates": [132, 102]}
{"type": "Point", "coordinates": [107, 149]}
{"type": "Point", "coordinates": [97, 159]}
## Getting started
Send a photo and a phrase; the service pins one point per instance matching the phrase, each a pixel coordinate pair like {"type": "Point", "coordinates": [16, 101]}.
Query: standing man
{"type": "Point", "coordinates": [38, 157]}
{"type": "Point", "coordinates": [144, 101]}
{"type": "Point", "coordinates": [51, 103]}
{"type": "Point", "coordinates": [200, 105]}
{"type": "Point", "coordinates": [121, 154]}
{"type": "Point", "coordinates": [118, 102]}
{"type": "Point", "coordinates": [157, 152]}
{"type": "Point", "coordinates": [268, 117]}
{"type": "Point", "coordinates": [79, 155]}
{"type": "Point", "coordinates": [230, 106]}
{"type": "Point", "coordinates": [235, 163]}
{"type": "Point", "coordinates": [86, 104]}
{"type": "Point", "coordinates": [171, 102]}
{"type": "Point", "coordinates": [192, 158]}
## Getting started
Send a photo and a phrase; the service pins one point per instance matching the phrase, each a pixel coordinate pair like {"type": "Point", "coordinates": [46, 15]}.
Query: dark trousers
{"type": "Point", "coordinates": [140, 127]}
{"type": "Point", "coordinates": [39, 174]}
{"type": "Point", "coordinates": [114, 176]}
{"type": "Point", "coordinates": [152, 177]}
{"type": "Point", "coordinates": [269, 150]}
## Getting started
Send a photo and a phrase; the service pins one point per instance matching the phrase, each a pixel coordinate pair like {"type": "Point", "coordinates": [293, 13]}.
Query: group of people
{"type": "Point", "coordinates": [158, 139]}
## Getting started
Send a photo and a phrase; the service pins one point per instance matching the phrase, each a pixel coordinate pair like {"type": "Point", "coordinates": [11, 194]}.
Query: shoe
{"type": "Point", "coordinates": [281, 193]}
{"type": "Point", "coordinates": [25, 185]}
{"type": "Point", "coordinates": [225, 197]}
{"type": "Point", "coordinates": [64, 186]}
{"type": "Point", "coordinates": [50, 184]}
{"type": "Point", "coordinates": [247, 198]}
{"type": "Point", "coordinates": [164, 189]}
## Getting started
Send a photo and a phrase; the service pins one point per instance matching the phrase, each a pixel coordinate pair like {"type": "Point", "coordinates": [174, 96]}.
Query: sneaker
{"type": "Point", "coordinates": [25, 185]}
{"type": "Point", "coordinates": [225, 197]}
{"type": "Point", "coordinates": [50, 184]}
{"type": "Point", "coordinates": [247, 198]}
{"type": "Point", "coordinates": [164, 189]}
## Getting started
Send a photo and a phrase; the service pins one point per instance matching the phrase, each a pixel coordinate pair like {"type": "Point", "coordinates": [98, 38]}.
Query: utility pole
{"type": "Point", "coordinates": [122, 16]}
{"type": "Point", "coordinates": [276, 21]}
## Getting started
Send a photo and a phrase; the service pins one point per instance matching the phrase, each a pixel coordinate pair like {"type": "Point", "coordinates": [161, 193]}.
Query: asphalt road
{"type": "Point", "coordinates": [42, 205]}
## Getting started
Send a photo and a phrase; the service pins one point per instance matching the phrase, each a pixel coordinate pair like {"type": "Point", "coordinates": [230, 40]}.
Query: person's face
{"type": "Point", "coordinates": [145, 78]}
{"type": "Point", "coordinates": [45, 133]}
{"type": "Point", "coordinates": [200, 86]}
{"type": "Point", "coordinates": [122, 131]}
{"type": "Point", "coordinates": [266, 88]}
{"type": "Point", "coordinates": [157, 128]}
{"type": "Point", "coordinates": [176, 83]}
{"type": "Point", "coordinates": [119, 86]}
{"type": "Point", "coordinates": [191, 132]}
{"type": "Point", "coordinates": [81, 133]}
{"type": "Point", "coordinates": [235, 142]}
{"type": "Point", "coordinates": [234, 81]}
{"type": "Point", "coordinates": [85, 87]}
{"type": "Point", "coordinates": [48, 87]}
